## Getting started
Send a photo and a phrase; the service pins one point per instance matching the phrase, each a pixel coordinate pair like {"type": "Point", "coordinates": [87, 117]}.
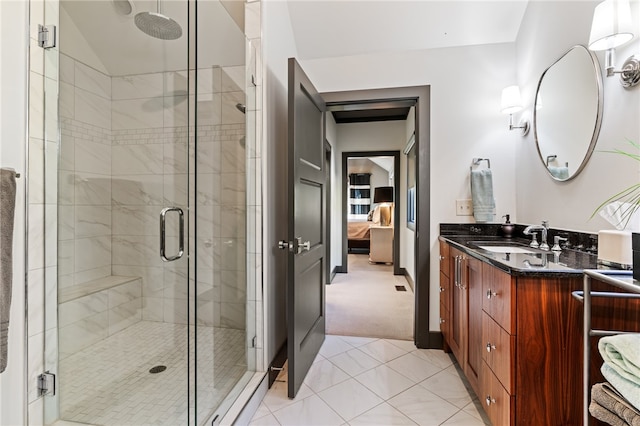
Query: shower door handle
{"type": "Point", "coordinates": [163, 239]}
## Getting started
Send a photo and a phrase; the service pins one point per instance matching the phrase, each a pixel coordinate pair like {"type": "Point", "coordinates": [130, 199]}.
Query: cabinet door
{"type": "Point", "coordinates": [473, 290]}
{"type": "Point", "coordinates": [445, 295]}
{"type": "Point", "coordinates": [458, 306]}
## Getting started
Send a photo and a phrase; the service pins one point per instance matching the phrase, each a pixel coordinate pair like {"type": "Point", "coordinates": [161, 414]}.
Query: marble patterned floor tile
{"type": "Point", "coordinates": [268, 420]}
{"type": "Point", "coordinates": [350, 398]}
{"type": "Point", "coordinates": [382, 350]}
{"type": "Point", "coordinates": [323, 374]}
{"type": "Point", "coordinates": [449, 386]}
{"type": "Point", "coordinates": [385, 381]}
{"type": "Point", "coordinates": [334, 345]}
{"type": "Point", "coordinates": [435, 356]}
{"type": "Point", "coordinates": [407, 345]}
{"type": "Point", "coordinates": [277, 398]}
{"type": "Point", "coordinates": [309, 411]}
{"type": "Point", "coordinates": [382, 415]}
{"type": "Point", "coordinates": [354, 362]}
{"type": "Point", "coordinates": [357, 341]}
{"type": "Point", "coordinates": [423, 407]}
{"type": "Point", "coordinates": [462, 418]}
{"type": "Point", "coordinates": [413, 367]}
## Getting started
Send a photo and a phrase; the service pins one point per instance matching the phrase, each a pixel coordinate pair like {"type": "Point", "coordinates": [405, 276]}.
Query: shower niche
{"type": "Point", "coordinates": [146, 123]}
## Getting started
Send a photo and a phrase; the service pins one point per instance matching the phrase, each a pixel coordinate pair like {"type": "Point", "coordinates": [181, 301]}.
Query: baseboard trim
{"type": "Point", "coordinates": [435, 340]}
{"type": "Point", "coordinates": [277, 363]}
{"type": "Point", "coordinates": [333, 274]}
{"type": "Point", "coordinates": [412, 284]}
{"type": "Point", "coordinates": [339, 269]}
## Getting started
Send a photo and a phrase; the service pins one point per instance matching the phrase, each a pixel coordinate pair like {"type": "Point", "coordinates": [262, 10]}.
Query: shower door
{"type": "Point", "coordinates": [151, 283]}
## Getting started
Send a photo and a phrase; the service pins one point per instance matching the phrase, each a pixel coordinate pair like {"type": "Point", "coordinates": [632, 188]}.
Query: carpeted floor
{"type": "Point", "coordinates": [365, 302]}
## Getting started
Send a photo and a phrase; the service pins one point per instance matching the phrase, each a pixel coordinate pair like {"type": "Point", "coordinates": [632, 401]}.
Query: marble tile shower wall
{"type": "Point", "coordinates": [45, 69]}
{"type": "Point", "coordinates": [124, 158]}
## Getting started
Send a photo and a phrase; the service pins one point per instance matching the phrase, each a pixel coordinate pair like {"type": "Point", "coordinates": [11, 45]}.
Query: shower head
{"type": "Point", "coordinates": [158, 25]}
{"type": "Point", "coordinates": [241, 107]}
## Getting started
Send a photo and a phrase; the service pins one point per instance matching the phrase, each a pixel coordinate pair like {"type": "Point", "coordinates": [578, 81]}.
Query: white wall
{"type": "Point", "coordinates": [13, 103]}
{"type": "Point", "coordinates": [466, 122]}
{"type": "Point", "coordinates": [278, 45]}
{"type": "Point", "coordinates": [545, 35]}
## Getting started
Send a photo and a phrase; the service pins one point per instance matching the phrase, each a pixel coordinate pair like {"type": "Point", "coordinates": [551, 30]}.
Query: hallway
{"type": "Point", "coordinates": [369, 381]}
{"type": "Point", "coordinates": [365, 302]}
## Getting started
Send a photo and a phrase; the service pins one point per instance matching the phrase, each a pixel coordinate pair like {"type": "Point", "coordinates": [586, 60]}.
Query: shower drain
{"type": "Point", "coordinates": [157, 369]}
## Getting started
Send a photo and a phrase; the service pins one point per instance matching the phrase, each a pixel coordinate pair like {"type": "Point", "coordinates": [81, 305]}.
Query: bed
{"type": "Point", "coordinates": [358, 235]}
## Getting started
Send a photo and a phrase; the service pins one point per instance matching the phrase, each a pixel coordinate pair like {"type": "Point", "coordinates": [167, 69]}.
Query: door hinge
{"type": "Point", "coordinates": [46, 36]}
{"type": "Point", "coordinates": [46, 384]}
{"type": "Point", "coordinates": [254, 341]}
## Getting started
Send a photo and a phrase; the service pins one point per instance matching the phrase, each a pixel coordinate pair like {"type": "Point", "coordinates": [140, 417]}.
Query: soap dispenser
{"type": "Point", "coordinates": [507, 227]}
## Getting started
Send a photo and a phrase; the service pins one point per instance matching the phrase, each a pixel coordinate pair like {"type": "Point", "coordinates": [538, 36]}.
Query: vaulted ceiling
{"type": "Point", "coordinates": [329, 28]}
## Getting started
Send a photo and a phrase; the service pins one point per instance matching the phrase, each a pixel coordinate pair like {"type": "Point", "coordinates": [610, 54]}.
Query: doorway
{"type": "Point", "coordinates": [419, 96]}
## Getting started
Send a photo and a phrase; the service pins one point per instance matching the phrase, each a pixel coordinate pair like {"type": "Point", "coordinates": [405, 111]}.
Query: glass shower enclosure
{"type": "Point", "coordinates": [148, 179]}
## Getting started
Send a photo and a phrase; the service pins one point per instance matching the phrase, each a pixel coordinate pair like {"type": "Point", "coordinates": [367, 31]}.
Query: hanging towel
{"type": "Point", "coordinates": [482, 195]}
{"type": "Point", "coordinates": [7, 209]}
{"type": "Point", "coordinates": [559, 172]}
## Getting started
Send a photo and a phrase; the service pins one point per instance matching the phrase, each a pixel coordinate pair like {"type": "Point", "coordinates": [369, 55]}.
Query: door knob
{"type": "Point", "coordinates": [283, 245]}
{"type": "Point", "coordinates": [306, 246]}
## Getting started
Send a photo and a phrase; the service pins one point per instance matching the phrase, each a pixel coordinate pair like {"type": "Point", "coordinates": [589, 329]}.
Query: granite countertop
{"type": "Point", "coordinates": [539, 263]}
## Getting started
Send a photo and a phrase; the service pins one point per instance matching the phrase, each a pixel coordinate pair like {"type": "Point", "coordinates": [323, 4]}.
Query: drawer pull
{"type": "Point", "coordinates": [441, 257]}
{"type": "Point", "coordinates": [491, 294]}
{"type": "Point", "coordinates": [442, 321]}
{"type": "Point", "coordinates": [490, 347]}
{"type": "Point", "coordinates": [490, 400]}
{"type": "Point", "coordinates": [441, 289]}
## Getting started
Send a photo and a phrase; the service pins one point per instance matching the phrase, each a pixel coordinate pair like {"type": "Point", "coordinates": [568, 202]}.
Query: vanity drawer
{"type": "Point", "coordinates": [494, 398]}
{"type": "Point", "coordinates": [498, 297]}
{"type": "Point", "coordinates": [499, 348]}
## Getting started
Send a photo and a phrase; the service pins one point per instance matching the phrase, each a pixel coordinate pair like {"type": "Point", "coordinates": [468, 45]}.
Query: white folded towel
{"type": "Point", "coordinates": [484, 204]}
{"type": "Point", "coordinates": [621, 355]}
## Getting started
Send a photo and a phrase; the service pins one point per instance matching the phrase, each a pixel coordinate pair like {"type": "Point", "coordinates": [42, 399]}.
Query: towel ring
{"type": "Point", "coordinates": [477, 161]}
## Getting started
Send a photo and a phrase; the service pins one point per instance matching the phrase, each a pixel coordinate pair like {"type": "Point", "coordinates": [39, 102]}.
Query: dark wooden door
{"type": "Point", "coordinates": [306, 226]}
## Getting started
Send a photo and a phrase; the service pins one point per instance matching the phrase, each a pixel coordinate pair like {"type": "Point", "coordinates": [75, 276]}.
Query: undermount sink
{"type": "Point", "coordinates": [507, 249]}
{"type": "Point", "coordinates": [503, 247]}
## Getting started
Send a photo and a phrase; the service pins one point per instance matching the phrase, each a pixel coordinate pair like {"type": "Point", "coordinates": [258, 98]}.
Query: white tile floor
{"type": "Point", "coordinates": [368, 381]}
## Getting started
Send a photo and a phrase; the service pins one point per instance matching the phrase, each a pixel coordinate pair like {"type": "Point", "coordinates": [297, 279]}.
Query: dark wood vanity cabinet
{"type": "Point", "coordinates": [464, 313]}
{"type": "Point", "coordinates": [518, 339]}
{"type": "Point", "coordinates": [445, 294]}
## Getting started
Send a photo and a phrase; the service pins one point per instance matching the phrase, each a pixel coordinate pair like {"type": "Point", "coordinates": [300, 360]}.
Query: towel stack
{"type": "Point", "coordinates": [617, 401]}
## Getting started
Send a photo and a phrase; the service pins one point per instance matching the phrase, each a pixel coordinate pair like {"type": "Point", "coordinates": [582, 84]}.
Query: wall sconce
{"type": "Point", "coordinates": [612, 27]}
{"type": "Point", "coordinates": [384, 195]}
{"type": "Point", "coordinates": [511, 102]}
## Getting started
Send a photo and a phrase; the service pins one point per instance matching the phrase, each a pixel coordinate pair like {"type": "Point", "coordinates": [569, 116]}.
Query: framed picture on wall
{"type": "Point", "coordinates": [410, 152]}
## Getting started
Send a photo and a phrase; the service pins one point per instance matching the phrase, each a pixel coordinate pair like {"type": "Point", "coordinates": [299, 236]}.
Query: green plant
{"type": "Point", "coordinates": [629, 197]}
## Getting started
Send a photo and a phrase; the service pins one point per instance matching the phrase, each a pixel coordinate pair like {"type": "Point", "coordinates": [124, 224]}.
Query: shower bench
{"type": "Point", "coordinates": [92, 311]}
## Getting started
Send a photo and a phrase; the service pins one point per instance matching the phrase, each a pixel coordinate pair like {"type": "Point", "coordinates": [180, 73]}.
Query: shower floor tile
{"type": "Point", "coordinates": [109, 383]}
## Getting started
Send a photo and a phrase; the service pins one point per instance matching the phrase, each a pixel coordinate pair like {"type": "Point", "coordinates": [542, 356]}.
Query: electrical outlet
{"type": "Point", "coordinates": [464, 207]}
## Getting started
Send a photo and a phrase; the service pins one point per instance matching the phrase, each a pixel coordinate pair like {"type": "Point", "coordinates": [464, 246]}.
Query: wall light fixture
{"type": "Point", "coordinates": [611, 28]}
{"type": "Point", "coordinates": [512, 103]}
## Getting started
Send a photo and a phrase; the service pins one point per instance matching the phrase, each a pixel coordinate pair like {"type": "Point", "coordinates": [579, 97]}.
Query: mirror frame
{"type": "Point", "coordinates": [598, 120]}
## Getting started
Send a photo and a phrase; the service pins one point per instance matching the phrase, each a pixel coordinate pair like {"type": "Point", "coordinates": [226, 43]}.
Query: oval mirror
{"type": "Point", "coordinates": [568, 113]}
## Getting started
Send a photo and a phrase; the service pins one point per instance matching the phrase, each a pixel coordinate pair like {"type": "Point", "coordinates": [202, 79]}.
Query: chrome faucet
{"type": "Point", "coordinates": [531, 229]}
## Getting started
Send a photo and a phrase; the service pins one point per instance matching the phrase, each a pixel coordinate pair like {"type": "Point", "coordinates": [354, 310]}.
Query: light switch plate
{"type": "Point", "coordinates": [464, 207]}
